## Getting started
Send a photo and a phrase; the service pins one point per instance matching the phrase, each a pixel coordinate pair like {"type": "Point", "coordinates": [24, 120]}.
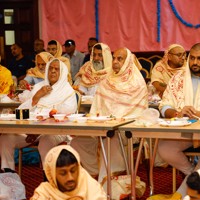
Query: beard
{"type": "Point", "coordinates": [98, 65]}
{"type": "Point", "coordinates": [195, 69]}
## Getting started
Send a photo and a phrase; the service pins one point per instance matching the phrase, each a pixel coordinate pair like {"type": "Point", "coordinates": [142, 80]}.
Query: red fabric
{"type": "Point", "coordinates": [127, 23]}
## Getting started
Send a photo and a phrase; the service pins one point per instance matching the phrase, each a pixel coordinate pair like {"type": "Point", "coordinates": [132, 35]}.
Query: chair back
{"type": "Point", "coordinates": [78, 98]}
{"type": "Point", "coordinates": [146, 64]}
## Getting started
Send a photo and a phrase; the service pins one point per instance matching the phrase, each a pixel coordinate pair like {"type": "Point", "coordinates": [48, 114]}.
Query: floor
{"type": "Point", "coordinates": [32, 176]}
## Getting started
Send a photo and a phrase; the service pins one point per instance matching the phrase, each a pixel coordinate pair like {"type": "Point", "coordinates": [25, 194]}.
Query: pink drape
{"type": "Point", "coordinates": [127, 23]}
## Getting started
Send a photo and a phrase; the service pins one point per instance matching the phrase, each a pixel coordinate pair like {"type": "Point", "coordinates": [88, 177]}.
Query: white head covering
{"type": "Point", "coordinates": [61, 90]}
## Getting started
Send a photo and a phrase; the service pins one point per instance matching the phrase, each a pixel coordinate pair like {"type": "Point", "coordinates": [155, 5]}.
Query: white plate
{"type": "Point", "coordinates": [100, 118]}
{"type": "Point", "coordinates": [7, 117]}
{"type": "Point", "coordinates": [130, 117]}
{"type": "Point", "coordinates": [174, 123]}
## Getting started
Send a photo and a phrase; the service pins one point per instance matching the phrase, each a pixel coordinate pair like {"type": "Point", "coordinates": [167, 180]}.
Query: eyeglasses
{"type": "Point", "coordinates": [179, 55]}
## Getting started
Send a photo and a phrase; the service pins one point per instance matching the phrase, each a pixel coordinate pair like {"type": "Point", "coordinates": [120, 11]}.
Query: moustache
{"type": "Point", "coordinates": [195, 65]}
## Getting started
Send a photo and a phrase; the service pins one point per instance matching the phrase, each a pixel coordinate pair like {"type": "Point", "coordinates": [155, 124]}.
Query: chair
{"type": "Point", "coordinates": [34, 147]}
{"type": "Point", "coordinates": [146, 64]}
{"type": "Point", "coordinates": [190, 152]}
{"type": "Point", "coordinates": [145, 75]}
{"type": "Point", "coordinates": [154, 59]}
{"type": "Point", "coordinates": [78, 98]}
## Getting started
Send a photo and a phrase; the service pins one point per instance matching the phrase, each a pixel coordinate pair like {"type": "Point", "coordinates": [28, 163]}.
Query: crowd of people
{"type": "Point", "coordinates": [118, 87]}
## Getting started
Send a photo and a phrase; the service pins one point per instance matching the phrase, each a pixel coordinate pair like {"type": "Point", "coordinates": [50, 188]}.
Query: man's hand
{"type": "Point", "coordinates": [31, 138]}
{"type": "Point", "coordinates": [187, 111]}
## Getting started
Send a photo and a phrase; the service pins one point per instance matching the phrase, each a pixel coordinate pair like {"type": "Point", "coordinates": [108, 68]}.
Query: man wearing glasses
{"type": "Point", "coordinates": [173, 60]}
{"type": "Point", "coordinates": [181, 99]}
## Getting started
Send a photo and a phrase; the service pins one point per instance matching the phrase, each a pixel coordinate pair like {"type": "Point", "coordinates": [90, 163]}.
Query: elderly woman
{"type": "Point", "coordinates": [53, 92]}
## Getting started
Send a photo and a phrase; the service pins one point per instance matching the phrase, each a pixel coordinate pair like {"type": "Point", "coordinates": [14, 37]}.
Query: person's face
{"type": "Point", "coordinates": [194, 62]}
{"type": "Point", "coordinates": [41, 64]}
{"type": "Point", "coordinates": [194, 195]}
{"type": "Point", "coordinates": [38, 46]}
{"type": "Point", "coordinates": [52, 49]}
{"type": "Point", "coordinates": [176, 57]}
{"type": "Point", "coordinates": [69, 49]}
{"type": "Point", "coordinates": [91, 43]}
{"type": "Point", "coordinates": [119, 58]}
{"type": "Point", "coordinates": [97, 55]}
{"type": "Point", "coordinates": [16, 50]}
{"type": "Point", "coordinates": [54, 72]}
{"type": "Point", "coordinates": [67, 177]}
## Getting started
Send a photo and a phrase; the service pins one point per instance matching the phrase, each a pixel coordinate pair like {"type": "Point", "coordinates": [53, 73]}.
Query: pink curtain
{"type": "Point", "coordinates": [68, 19]}
{"type": "Point", "coordinates": [127, 23]}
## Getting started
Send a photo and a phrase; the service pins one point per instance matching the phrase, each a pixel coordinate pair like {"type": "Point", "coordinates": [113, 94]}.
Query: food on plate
{"type": "Point", "coordinates": [52, 112]}
{"type": "Point", "coordinates": [39, 117]}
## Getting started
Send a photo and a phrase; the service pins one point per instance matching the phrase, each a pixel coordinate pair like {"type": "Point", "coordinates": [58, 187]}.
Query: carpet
{"type": "Point", "coordinates": [32, 176]}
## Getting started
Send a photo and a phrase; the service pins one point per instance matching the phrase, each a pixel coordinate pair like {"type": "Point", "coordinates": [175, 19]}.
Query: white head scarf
{"type": "Point", "coordinates": [61, 90]}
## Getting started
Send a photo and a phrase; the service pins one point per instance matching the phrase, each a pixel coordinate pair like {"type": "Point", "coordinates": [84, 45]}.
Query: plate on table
{"type": "Point", "coordinates": [7, 117]}
{"type": "Point", "coordinates": [174, 123]}
{"type": "Point", "coordinates": [130, 117]}
{"type": "Point", "coordinates": [100, 118]}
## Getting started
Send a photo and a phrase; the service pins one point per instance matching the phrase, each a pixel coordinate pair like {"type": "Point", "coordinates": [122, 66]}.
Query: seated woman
{"type": "Point", "coordinates": [6, 81]}
{"type": "Point", "coordinates": [36, 74]}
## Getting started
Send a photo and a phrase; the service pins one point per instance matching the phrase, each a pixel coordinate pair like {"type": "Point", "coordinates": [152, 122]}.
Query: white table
{"type": "Point", "coordinates": [158, 132]}
{"type": "Point", "coordinates": [49, 126]}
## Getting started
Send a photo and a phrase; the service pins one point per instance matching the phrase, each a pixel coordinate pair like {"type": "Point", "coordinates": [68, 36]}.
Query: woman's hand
{"type": "Point", "coordinates": [40, 93]}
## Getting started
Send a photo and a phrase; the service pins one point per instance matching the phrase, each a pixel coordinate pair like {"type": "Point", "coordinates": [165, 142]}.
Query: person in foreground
{"type": "Point", "coordinates": [52, 93]}
{"type": "Point", "coordinates": [193, 186]}
{"type": "Point", "coordinates": [181, 99]}
{"type": "Point", "coordinates": [67, 179]}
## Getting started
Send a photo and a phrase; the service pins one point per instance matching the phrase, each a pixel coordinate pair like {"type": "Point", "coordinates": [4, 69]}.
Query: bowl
{"type": "Point", "coordinates": [81, 119]}
{"type": "Point", "coordinates": [59, 117]}
{"type": "Point", "coordinates": [74, 117]}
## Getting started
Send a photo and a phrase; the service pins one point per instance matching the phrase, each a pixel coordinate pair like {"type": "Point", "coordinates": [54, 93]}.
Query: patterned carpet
{"type": "Point", "coordinates": [32, 176]}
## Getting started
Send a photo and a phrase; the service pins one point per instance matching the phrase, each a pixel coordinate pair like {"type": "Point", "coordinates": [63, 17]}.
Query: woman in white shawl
{"type": "Point", "coordinates": [67, 179]}
{"type": "Point", "coordinates": [53, 92]}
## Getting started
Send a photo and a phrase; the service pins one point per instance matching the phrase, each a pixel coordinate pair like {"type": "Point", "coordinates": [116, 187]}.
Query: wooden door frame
{"type": "Point", "coordinates": [18, 4]}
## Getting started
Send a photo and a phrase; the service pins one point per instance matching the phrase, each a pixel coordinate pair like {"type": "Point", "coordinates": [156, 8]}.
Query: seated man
{"type": "Point", "coordinates": [91, 42]}
{"type": "Point", "coordinates": [172, 62]}
{"type": "Point", "coordinates": [20, 63]}
{"type": "Point", "coordinates": [36, 74]}
{"type": "Point", "coordinates": [181, 98]}
{"type": "Point", "coordinates": [38, 47]}
{"type": "Point", "coordinates": [67, 179]}
{"type": "Point", "coordinates": [76, 57]}
{"type": "Point", "coordinates": [95, 70]}
{"type": "Point", "coordinates": [122, 93]}
{"type": "Point", "coordinates": [54, 92]}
